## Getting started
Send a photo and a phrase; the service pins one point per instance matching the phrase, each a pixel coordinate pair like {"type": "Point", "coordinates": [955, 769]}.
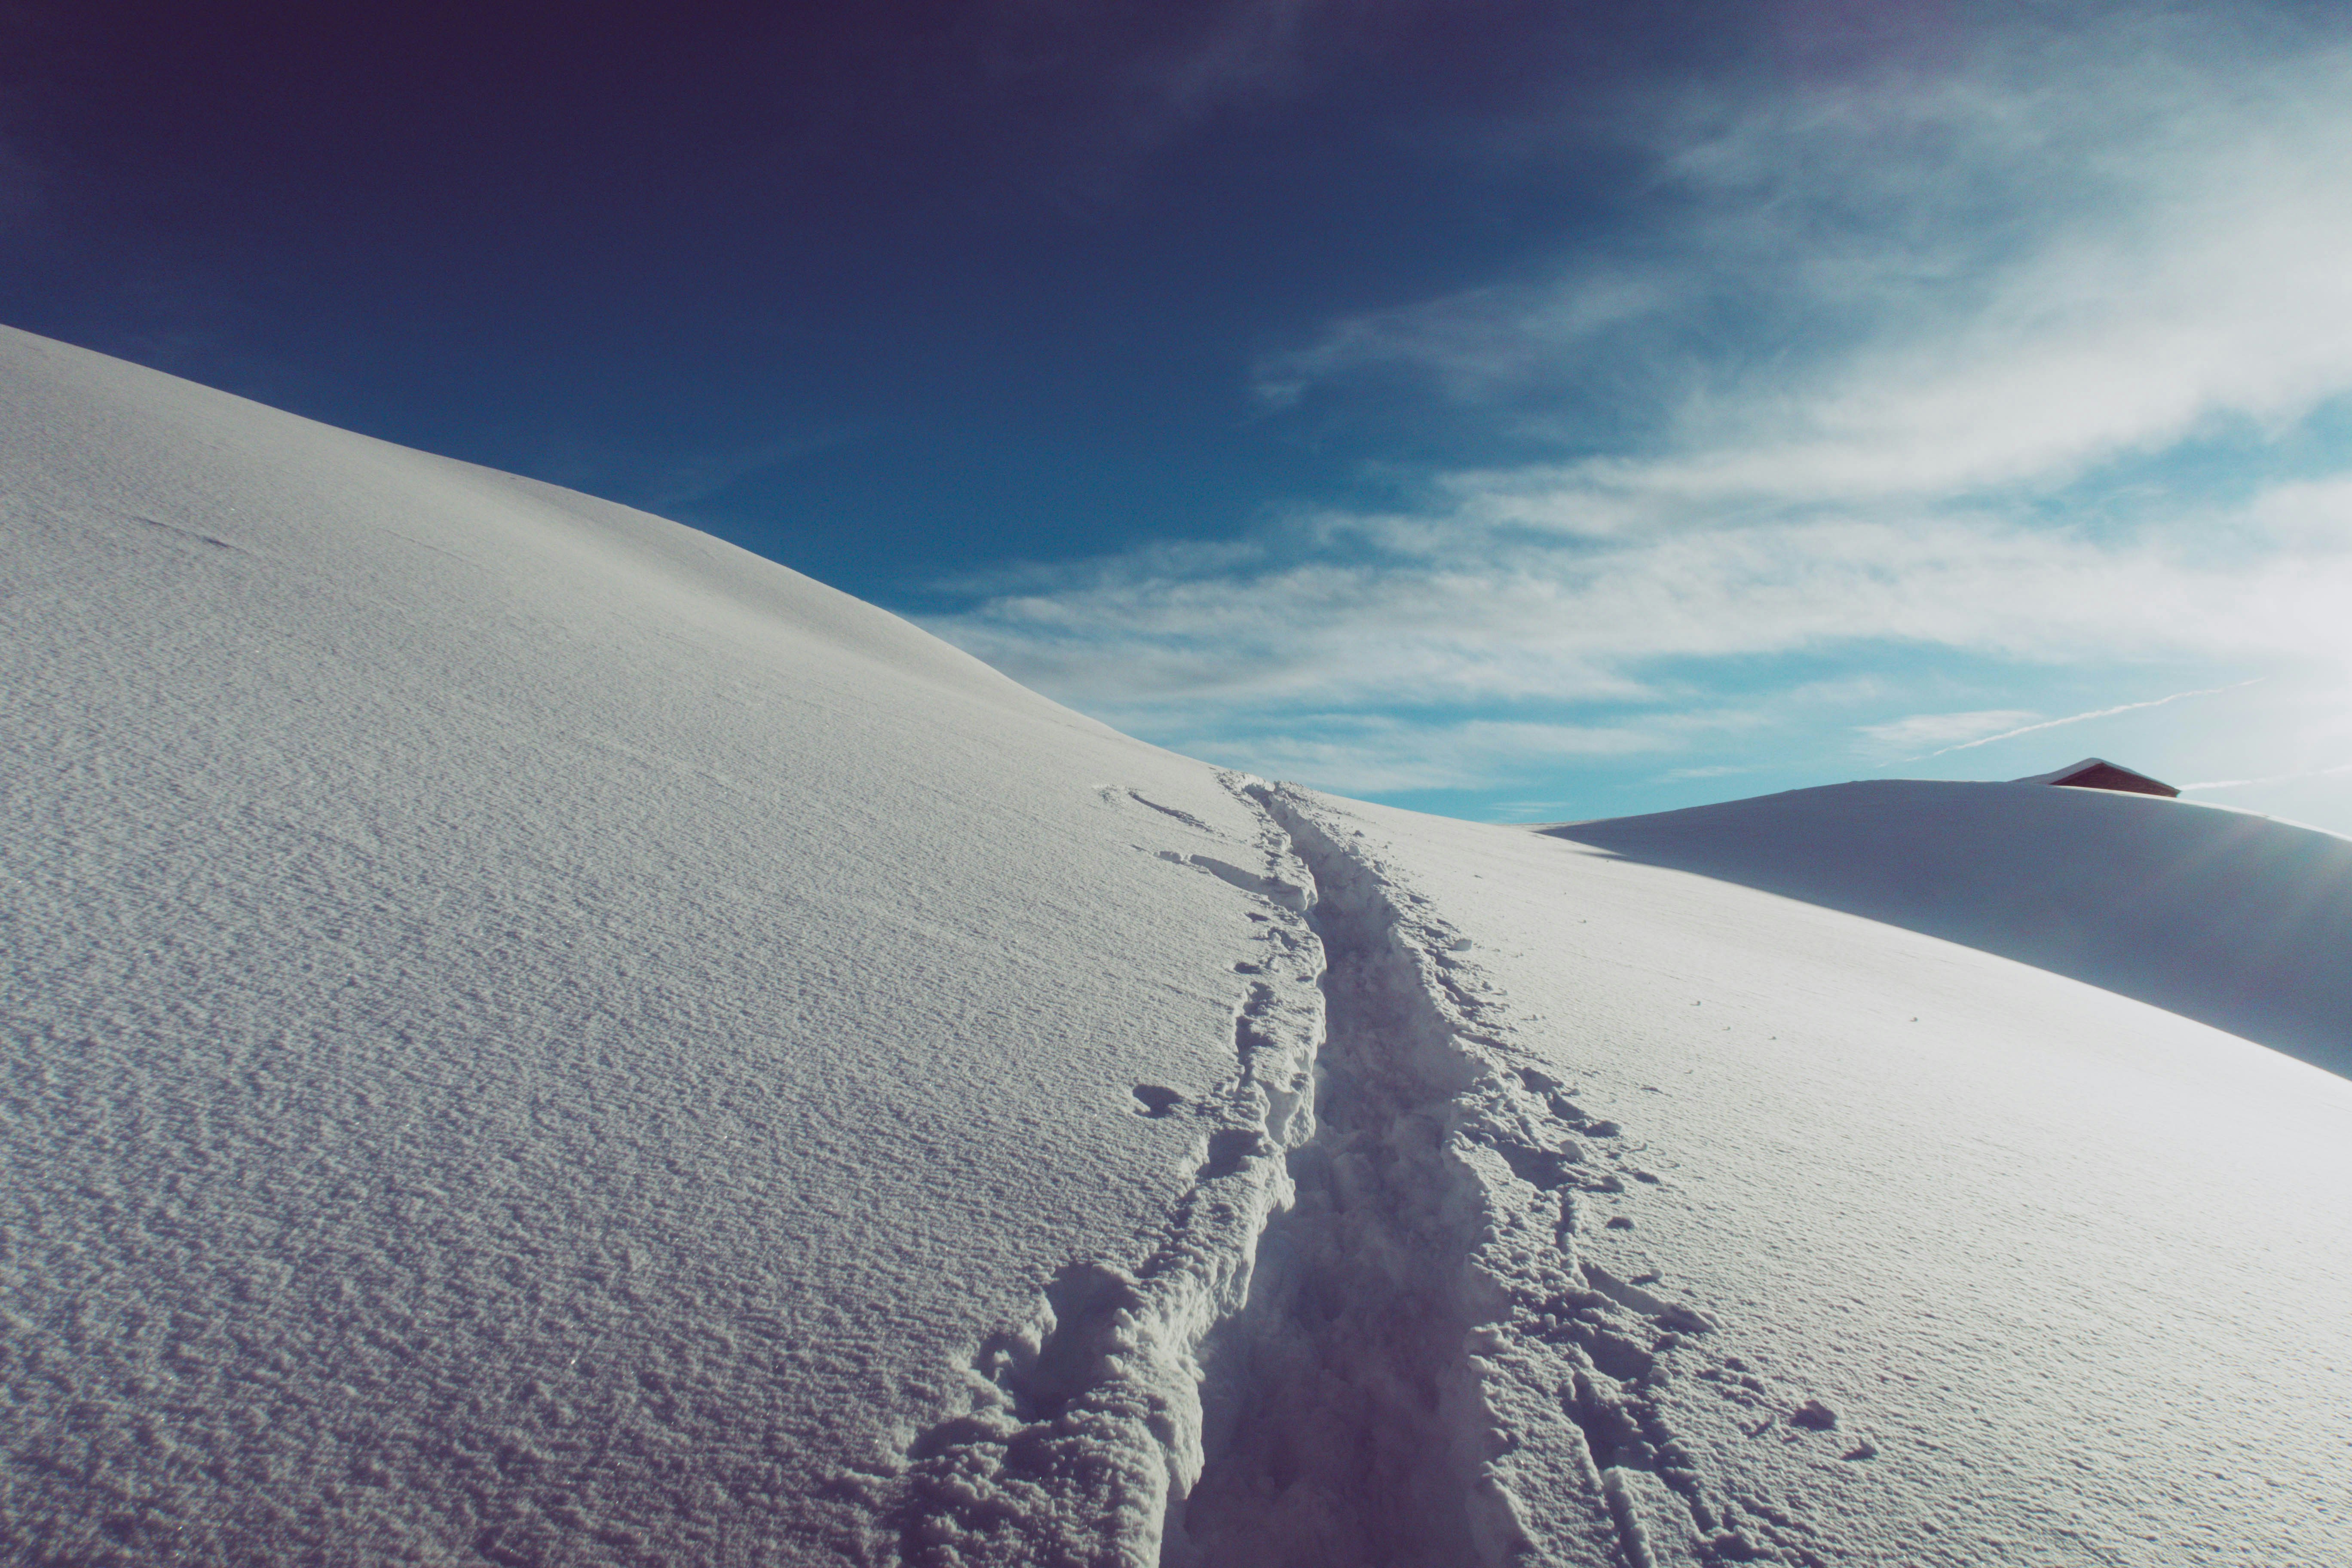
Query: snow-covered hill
{"type": "Point", "coordinates": [2238, 921]}
{"type": "Point", "coordinates": [532, 1035]}
{"type": "Point", "coordinates": [535, 1032]}
{"type": "Point", "coordinates": [2066, 1268]}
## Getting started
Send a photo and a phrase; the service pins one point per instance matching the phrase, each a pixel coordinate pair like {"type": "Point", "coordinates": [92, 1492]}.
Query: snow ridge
{"type": "Point", "coordinates": [1086, 1421]}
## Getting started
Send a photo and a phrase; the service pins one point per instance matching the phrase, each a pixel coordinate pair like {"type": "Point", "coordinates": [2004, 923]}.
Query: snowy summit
{"type": "Point", "coordinates": [536, 1036]}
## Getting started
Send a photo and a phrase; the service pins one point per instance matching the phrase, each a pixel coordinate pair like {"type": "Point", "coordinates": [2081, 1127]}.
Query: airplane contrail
{"type": "Point", "coordinates": [2095, 714]}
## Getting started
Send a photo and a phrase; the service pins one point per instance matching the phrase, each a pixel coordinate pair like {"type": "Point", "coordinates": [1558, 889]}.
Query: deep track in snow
{"type": "Point", "coordinates": [1426, 1371]}
{"type": "Point", "coordinates": [1337, 1406]}
{"type": "Point", "coordinates": [1366, 1339]}
{"type": "Point", "coordinates": [1085, 1421]}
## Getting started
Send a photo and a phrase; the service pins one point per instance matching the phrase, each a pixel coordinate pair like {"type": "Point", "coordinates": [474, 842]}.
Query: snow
{"type": "Point", "coordinates": [533, 1036]}
{"type": "Point", "coordinates": [2066, 1268]}
{"type": "Point", "coordinates": [2235, 919]}
{"type": "Point", "coordinates": [534, 1032]}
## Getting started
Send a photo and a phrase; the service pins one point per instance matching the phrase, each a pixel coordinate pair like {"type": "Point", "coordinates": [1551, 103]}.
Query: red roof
{"type": "Point", "coordinates": [2097, 773]}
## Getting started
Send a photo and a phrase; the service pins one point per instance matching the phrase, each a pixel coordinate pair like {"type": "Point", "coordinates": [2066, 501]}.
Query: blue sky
{"type": "Point", "coordinates": [1517, 411]}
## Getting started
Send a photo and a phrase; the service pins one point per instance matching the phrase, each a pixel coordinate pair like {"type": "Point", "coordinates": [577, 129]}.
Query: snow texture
{"type": "Point", "coordinates": [1993, 1266]}
{"type": "Point", "coordinates": [533, 1036]}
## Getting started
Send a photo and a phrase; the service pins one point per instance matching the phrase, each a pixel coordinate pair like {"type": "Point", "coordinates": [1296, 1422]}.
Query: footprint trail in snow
{"type": "Point", "coordinates": [1366, 1336]}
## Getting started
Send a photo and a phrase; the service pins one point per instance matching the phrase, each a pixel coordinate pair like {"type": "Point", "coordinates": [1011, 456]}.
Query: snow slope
{"type": "Point", "coordinates": [2067, 1271]}
{"type": "Point", "coordinates": [534, 1036]}
{"type": "Point", "coordinates": [2238, 921]}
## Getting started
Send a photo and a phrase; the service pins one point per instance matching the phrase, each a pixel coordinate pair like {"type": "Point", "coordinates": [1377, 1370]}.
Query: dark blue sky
{"type": "Point", "coordinates": [1504, 407]}
{"type": "Point", "coordinates": [883, 291]}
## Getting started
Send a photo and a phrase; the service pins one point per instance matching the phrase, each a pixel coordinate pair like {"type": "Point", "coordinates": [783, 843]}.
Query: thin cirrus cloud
{"type": "Point", "coordinates": [2294, 777]}
{"type": "Point", "coordinates": [1513, 620]}
{"type": "Point", "coordinates": [2020, 345]}
{"type": "Point", "coordinates": [1476, 343]}
{"type": "Point", "coordinates": [2166, 256]}
{"type": "Point", "coordinates": [1376, 755]}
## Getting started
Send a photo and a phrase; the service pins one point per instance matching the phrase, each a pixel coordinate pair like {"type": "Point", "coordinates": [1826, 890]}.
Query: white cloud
{"type": "Point", "coordinates": [1897, 337]}
{"type": "Point", "coordinates": [1388, 756]}
{"type": "Point", "coordinates": [1992, 280]}
{"type": "Point", "coordinates": [1478, 342]}
{"type": "Point", "coordinates": [1513, 619]}
{"type": "Point", "coordinates": [702, 475]}
{"type": "Point", "coordinates": [1388, 752]}
{"type": "Point", "coordinates": [1716, 771]}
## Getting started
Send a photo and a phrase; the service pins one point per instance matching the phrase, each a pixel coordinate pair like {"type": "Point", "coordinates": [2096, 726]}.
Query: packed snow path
{"type": "Point", "coordinates": [1493, 1324]}
{"type": "Point", "coordinates": [1427, 1372]}
{"type": "Point", "coordinates": [1987, 1266]}
{"type": "Point", "coordinates": [1337, 1403]}
{"type": "Point", "coordinates": [1402, 1358]}
{"type": "Point", "coordinates": [1085, 1419]}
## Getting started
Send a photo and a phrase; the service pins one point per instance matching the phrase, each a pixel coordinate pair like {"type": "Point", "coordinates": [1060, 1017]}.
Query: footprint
{"type": "Point", "coordinates": [1545, 1170]}
{"type": "Point", "coordinates": [1153, 1100]}
{"type": "Point", "coordinates": [1230, 1150]}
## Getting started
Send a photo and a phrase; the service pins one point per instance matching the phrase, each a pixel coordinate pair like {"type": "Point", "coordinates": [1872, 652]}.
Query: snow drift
{"type": "Point", "coordinates": [535, 1036]}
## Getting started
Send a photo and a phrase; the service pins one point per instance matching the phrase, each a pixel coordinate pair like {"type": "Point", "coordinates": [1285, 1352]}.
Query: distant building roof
{"type": "Point", "coordinates": [2097, 773]}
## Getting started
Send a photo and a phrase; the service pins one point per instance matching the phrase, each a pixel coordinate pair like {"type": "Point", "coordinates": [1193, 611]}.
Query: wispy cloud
{"type": "Point", "coordinates": [1135, 78]}
{"type": "Point", "coordinates": [1370, 756]}
{"type": "Point", "coordinates": [1482, 343]}
{"type": "Point", "coordinates": [1986, 364]}
{"type": "Point", "coordinates": [1471, 614]}
{"type": "Point", "coordinates": [2272, 779]}
{"type": "Point", "coordinates": [1716, 770]}
{"type": "Point", "coordinates": [1993, 280]}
